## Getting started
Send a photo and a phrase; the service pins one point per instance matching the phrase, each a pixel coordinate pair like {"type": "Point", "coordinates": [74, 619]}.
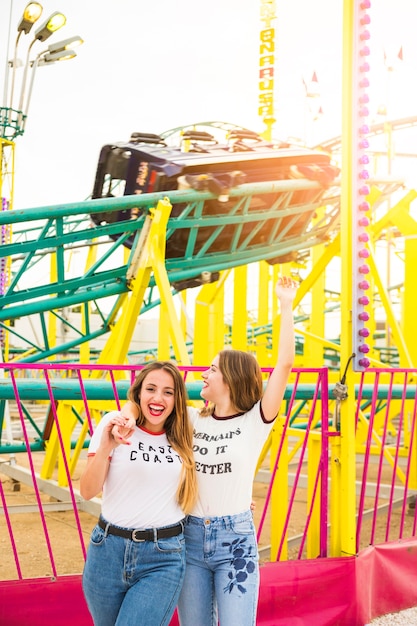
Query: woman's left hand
{"type": "Point", "coordinates": [286, 288]}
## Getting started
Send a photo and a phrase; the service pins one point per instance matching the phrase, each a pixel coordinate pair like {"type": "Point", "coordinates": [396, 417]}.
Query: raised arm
{"type": "Point", "coordinates": [285, 290]}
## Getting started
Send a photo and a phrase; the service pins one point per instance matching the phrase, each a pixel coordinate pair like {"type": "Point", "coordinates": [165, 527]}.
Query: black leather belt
{"type": "Point", "coordinates": [142, 535]}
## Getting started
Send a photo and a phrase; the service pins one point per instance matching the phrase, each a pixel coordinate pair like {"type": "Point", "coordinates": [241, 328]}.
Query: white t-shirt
{"type": "Point", "coordinates": [141, 484]}
{"type": "Point", "coordinates": [226, 451]}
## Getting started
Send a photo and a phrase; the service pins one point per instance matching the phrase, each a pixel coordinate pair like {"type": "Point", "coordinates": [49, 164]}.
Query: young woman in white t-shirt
{"type": "Point", "coordinates": [136, 558]}
{"type": "Point", "coordinates": [222, 575]}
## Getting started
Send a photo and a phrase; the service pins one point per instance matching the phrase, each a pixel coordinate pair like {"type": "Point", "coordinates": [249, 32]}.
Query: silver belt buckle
{"type": "Point", "coordinates": [134, 538]}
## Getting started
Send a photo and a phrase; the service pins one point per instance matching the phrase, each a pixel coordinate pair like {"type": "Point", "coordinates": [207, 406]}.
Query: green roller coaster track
{"type": "Point", "coordinates": [54, 232]}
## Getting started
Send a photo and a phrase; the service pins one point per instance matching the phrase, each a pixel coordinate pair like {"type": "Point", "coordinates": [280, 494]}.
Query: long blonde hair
{"type": "Point", "coordinates": [177, 427]}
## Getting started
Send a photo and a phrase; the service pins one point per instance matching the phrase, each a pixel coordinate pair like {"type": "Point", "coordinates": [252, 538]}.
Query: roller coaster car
{"type": "Point", "coordinates": [149, 163]}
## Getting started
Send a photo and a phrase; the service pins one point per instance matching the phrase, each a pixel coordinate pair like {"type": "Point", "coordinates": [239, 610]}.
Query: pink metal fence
{"type": "Point", "coordinates": [386, 458]}
{"type": "Point", "coordinates": [386, 412]}
{"type": "Point", "coordinates": [47, 385]}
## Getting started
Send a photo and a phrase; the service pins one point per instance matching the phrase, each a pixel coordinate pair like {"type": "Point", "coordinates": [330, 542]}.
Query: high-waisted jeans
{"type": "Point", "coordinates": [221, 583]}
{"type": "Point", "coordinates": [128, 583]}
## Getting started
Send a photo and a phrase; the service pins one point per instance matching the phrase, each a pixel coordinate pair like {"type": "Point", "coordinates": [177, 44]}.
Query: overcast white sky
{"type": "Point", "coordinates": [149, 66]}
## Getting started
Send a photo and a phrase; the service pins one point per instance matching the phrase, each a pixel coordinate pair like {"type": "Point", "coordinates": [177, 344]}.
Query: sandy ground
{"type": "Point", "coordinates": [68, 548]}
{"type": "Point", "coordinates": [403, 618]}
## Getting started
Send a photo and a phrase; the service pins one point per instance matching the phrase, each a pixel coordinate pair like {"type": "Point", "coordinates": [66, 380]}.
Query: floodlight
{"type": "Point", "coordinates": [65, 44]}
{"type": "Point", "coordinates": [56, 21]}
{"type": "Point", "coordinates": [60, 55]}
{"type": "Point", "coordinates": [31, 14]}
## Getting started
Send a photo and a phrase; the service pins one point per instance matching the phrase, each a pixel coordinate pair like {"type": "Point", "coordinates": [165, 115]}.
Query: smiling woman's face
{"type": "Point", "coordinates": [157, 399]}
{"type": "Point", "coordinates": [214, 387]}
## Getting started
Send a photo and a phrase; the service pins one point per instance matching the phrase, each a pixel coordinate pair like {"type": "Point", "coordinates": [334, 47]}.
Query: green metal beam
{"type": "Point", "coordinates": [57, 230]}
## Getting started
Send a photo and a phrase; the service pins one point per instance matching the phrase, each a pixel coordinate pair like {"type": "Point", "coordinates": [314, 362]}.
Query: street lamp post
{"type": "Point", "coordinates": [31, 14]}
{"type": "Point", "coordinates": [59, 51]}
{"type": "Point", "coordinates": [12, 118]}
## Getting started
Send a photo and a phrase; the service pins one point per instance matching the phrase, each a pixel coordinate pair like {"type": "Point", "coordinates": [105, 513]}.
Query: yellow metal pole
{"type": "Point", "coordinates": [85, 308]}
{"type": "Point", "coordinates": [171, 316]}
{"type": "Point", "coordinates": [335, 519]}
{"type": "Point", "coordinates": [316, 324]}
{"type": "Point", "coordinates": [410, 338]}
{"type": "Point", "coordinates": [240, 313]}
{"type": "Point", "coordinates": [7, 155]}
{"type": "Point", "coordinates": [164, 342]}
{"type": "Point", "coordinates": [183, 313]}
{"type": "Point", "coordinates": [314, 455]}
{"type": "Point", "coordinates": [346, 543]}
{"type": "Point", "coordinates": [410, 296]}
{"type": "Point", "coordinates": [399, 339]}
{"type": "Point", "coordinates": [279, 490]}
{"type": "Point", "coordinates": [276, 319]}
{"type": "Point", "coordinates": [52, 319]}
{"type": "Point", "coordinates": [209, 327]}
{"type": "Point", "coordinates": [151, 257]}
{"type": "Point", "coordinates": [263, 312]}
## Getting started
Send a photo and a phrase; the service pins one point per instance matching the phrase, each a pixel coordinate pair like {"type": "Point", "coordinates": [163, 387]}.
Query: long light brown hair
{"type": "Point", "coordinates": [177, 427]}
{"type": "Point", "coordinates": [242, 374]}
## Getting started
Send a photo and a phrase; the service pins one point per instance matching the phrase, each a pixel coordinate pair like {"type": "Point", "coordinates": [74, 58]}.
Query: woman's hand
{"type": "Point", "coordinates": [285, 289]}
{"type": "Point", "coordinates": [122, 429]}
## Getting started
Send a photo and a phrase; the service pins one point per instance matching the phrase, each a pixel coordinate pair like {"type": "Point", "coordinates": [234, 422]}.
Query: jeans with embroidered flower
{"type": "Point", "coordinates": [128, 583]}
{"type": "Point", "coordinates": [221, 583]}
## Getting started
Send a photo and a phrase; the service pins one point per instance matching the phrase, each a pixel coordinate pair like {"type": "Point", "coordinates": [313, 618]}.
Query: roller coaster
{"type": "Point", "coordinates": [231, 199]}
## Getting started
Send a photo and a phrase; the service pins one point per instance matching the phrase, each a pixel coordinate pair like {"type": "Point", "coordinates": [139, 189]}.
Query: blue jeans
{"type": "Point", "coordinates": [221, 583]}
{"type": "Point", "coordinates": [128, 583]}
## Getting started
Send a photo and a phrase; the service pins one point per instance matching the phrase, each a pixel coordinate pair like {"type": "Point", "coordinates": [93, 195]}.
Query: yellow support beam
{"type": "Point", "coordinates": [85, 309]}
{"type": "Point", "coordinates": [240, 312]}
{"type": "Point", "coordinates": [209, 327]}
{"type": "Point", "coordinates": [345, 544]}
{"type": "Point", "coordinates": [409, 305]}
{"type": "Point", "coordinates": [279, 490]}
{"type": "Point", "coordinates": [7, 156]}
{"type": "Point", "coordinates": [150, 258]}
{"type": "Point", "coordinates": [262, 353]}
{"type": "Point", "coordinates": [405, 359]}
{"type": "Point", "coordinates": [316, 323]}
